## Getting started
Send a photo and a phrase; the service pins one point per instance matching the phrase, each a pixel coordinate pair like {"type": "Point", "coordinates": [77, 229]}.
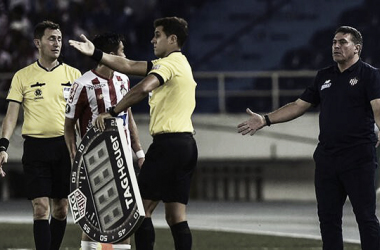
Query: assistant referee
{"type": "Point", "coordinates": [42, 89]}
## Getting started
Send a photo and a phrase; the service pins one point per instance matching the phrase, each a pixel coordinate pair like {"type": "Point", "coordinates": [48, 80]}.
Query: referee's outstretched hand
{"type": "Point", "coordinates": [99, 122]}
{"type": "Point", "coordinates": [3, 160]}
{"type": "Point", "coordinates": [86, 47]}
{"type": "Point", "coordinates": [254, 123]}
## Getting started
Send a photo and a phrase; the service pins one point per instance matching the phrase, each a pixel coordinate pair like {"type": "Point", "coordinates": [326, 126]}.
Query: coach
{"type": "Point", "coordinates": [348, 94]}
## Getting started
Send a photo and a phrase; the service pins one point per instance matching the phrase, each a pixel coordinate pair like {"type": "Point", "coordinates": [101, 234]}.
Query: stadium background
{"type": "Point", "coordinates": [259, 54]}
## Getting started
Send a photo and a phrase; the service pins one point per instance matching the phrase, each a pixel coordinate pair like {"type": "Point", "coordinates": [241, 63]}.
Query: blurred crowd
{"type": "Point", "coordinates": [132, 18]}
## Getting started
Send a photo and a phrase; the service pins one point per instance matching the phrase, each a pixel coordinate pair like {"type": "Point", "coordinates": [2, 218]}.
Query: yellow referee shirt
{"type": "Point", "coordinates": [43, 96]}
{"type": "Point", "coordinates": [172, 104]}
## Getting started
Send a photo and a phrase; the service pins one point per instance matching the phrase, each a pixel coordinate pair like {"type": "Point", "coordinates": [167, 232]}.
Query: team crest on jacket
{"type": "Point", "coordinates": [354, 81]}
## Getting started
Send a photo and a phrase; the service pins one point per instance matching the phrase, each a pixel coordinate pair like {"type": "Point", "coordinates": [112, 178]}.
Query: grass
{"type": "Point", "coordinates": [20, 236]}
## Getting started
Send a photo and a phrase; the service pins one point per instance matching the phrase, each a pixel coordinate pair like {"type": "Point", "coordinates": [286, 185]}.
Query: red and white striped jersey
{"type": "Point", "coordinates": [92, 94]}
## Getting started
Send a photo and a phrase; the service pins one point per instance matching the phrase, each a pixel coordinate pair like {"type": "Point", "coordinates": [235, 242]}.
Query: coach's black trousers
{"type": "Point", "coordinates": [351, 174]}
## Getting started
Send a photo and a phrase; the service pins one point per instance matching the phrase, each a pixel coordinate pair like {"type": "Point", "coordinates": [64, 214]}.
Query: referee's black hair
{"type": "Point", "coordinates": [39, 29]}
{"type": "Point", "coordinates": [174, 26]}
{"type": "Point", "coordinates": [108, 42]}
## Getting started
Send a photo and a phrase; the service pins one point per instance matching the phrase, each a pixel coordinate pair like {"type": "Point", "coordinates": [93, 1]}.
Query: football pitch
{"type": "Point", "coordinates": [20, 236]}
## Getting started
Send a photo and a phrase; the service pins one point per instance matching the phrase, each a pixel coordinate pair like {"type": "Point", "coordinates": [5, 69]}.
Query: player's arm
{"type": "Point", "coordinates": [375, 104]}
{"type": "Point", "coordinates": [135, 95]}
{"type": "Point", "coordinates": [286, 113]}
{"type": "Point", "coordinates": [9, 124]}
{"type": "Point", "coordinates": [70, 137]}
{"type": "Point", "coordinates": [135, 140]}
{"type": "Point", "coordinates": [120, 64]}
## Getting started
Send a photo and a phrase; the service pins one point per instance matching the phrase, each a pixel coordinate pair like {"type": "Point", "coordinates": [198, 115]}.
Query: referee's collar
{"type": "Point", "coordinates": [174, 51]}
{"type": "Point", "coordinates": [42, 67]}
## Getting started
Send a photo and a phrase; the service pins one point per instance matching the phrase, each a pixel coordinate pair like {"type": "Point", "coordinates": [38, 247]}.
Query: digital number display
{"type": "Point", "coordinates": [102, 204]}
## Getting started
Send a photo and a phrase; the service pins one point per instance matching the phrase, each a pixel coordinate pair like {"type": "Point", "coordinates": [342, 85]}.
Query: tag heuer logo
{"type": "Point", "coordinates": [103, 173]}
{"type": "Point", "coordinates": [78, 204]}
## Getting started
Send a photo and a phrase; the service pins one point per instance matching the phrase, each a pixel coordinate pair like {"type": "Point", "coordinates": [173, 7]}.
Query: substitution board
{"type": "Point", "coordinates": [105, 199]}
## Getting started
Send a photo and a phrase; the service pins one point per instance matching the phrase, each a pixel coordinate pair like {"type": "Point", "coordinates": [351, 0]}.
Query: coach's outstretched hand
{"type": "Point", "coordinates": [86, 47]}
{"type": "Point", "coordinates": [254, 123]}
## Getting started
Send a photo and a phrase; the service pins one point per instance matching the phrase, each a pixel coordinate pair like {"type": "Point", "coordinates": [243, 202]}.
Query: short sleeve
{"type": "Point", "coordinates": [311, 93]}
{"type": "Point", "coordinates": [163, 68]}
{"type": "Point", "coordinates": [16, 90]}
{"type": "Point", "coordinates": [373, 87]}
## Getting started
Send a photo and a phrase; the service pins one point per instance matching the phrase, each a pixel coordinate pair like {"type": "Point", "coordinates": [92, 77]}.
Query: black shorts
{"type": "Point", "coordinates": [168, 168]}
{"type": "Point", "coordinates": [47, 167]}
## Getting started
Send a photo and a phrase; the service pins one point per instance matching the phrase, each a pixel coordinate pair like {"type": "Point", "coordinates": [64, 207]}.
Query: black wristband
{"type": "Point", "coordinates": [4, 143]}
{"type": "Point", "coordinates": [112, 112]}
{"type": "Point", "coordinates": [267, 120]}
{"type": "Point", "coordinates": [98, 54]}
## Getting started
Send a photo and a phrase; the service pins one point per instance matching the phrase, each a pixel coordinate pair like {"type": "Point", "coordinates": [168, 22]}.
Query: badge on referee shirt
{"type": "Point", "coordinates": [105, 199]}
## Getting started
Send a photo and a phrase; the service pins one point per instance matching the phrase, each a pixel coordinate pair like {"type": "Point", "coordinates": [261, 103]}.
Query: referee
{"type": "Point", "coordinates": [348, 94]}
{"type": "Point", "coordinates": [42, 88]}
{"type": "Point", "coordinates": [171, 158]}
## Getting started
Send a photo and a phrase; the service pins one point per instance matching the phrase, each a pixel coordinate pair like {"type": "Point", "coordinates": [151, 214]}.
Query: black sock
{"type": "Point", "coordinates": [41, 231]}
{"type": "Point", "coordinates": [182, 236]}
{"type": "Point", "coordinates": [57, 230]}
{"type": "Point", "coordinates": [145, 236]}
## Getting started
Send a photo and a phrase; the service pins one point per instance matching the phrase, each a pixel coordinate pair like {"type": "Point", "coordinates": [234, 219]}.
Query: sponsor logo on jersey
{"type": "Point", "coordinates": [96, 86]}
{"type": "Point", "coordinates": [326, 85]}
{"type": "Point", "coordinates": [38, 94]}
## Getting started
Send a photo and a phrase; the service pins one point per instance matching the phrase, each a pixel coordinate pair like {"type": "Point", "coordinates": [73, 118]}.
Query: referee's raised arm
{"type": "Point", "coordinates": [120, 64]}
